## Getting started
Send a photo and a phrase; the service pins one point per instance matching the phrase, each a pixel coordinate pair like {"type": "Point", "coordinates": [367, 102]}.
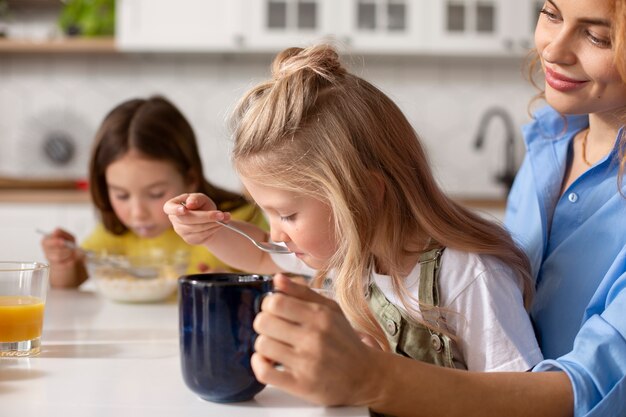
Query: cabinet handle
{"type": "Point", "coordinates": [239, 40]}
{"type": "Point", "coordinates": [526, 44]}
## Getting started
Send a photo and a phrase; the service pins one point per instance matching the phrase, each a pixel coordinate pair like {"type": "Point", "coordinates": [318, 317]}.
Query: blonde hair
{"type": "Point", "coordinates": [314, 128]}
{"type": "Point", "coordinates": [618, 38]}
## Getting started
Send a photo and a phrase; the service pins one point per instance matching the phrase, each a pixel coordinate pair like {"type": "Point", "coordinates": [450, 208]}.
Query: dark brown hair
{"type": "Point", "coordinates": [157, 129]}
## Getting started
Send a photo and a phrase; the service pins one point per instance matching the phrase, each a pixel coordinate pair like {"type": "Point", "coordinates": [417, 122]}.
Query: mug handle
{"type": "Point", "coordinates": [257, 308]}
{"type": "Point", "coordinates": [259, 299]}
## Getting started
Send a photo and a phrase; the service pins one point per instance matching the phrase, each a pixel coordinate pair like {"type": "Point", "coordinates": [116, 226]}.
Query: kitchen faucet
{"type": "Point", "coordinates": [507, 176]}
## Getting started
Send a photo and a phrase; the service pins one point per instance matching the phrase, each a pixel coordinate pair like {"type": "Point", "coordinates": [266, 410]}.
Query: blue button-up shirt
{"type": "Point", "coordinates": [576, 242]}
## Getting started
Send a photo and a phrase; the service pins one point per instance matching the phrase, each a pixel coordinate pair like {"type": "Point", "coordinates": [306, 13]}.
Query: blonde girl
{"type": "Point", "coordinates": [346, 185]}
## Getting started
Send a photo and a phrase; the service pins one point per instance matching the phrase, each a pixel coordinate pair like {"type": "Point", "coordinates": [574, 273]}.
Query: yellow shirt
{"type": "Point", "coordinates": [129, 244]}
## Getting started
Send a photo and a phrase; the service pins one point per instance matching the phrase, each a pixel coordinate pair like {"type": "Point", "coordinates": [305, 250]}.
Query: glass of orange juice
{"type": "Point", "coordinates": [23, 288]}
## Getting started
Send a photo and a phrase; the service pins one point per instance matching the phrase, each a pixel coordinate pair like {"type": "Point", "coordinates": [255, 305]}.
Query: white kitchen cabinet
{"type": "Point", "coordinates": [179, 26]}
{"type": "Point", "coordinates": [433, 27]}
{"type": "Point", "coordinates": [272, 25]}
{"type": "Point", "coordinates": [19, 223]}
{"type": "Point", "coordinates": [482, 27]}
{"type": "Point", "coordinates": [361, 26]}
{"type": "Point", "coordinates": [382, 26]}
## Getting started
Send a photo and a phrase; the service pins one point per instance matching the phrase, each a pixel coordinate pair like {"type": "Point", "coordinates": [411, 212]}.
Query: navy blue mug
{"type": "Point", "coordinates": [216, 312]}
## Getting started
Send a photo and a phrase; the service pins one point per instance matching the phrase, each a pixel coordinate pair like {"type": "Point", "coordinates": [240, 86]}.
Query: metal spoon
{"type": "Point", "coordinates": [264, 246]}
{"type": "Point", "coordinates": [138, 272]}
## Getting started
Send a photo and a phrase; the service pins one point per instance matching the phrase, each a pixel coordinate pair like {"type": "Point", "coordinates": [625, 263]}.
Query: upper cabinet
{"type": "Point", "coordinates": [434, 27]}
{"type": "Point", "coordinates": [180, 26]}
{"type": "Point", "coordinates": [383, 26]}
{"type": "Point", "coordinates": [272, 25]}
{"type": "Point", "coordinates": [479, 27]}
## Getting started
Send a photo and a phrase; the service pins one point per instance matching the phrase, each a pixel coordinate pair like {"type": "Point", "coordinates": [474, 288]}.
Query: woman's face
{"type": "Point", "coordinates": [305, 224]}
{"type": "Point", "coordinates": [573, 41]}
{"type": "Point", "coordinates": [138, 187]}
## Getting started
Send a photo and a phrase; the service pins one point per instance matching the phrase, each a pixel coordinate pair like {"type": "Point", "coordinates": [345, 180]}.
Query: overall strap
{"type": "Point", "coordinates": [434, 347]}
{"type": "Point", "coordinates": [429, 277]}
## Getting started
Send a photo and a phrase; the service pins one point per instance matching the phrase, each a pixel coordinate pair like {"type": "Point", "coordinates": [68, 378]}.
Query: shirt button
{"type": "Point", "coordinates": [572, 197]}
{"type": "Point", "coordinates": [391, 327]}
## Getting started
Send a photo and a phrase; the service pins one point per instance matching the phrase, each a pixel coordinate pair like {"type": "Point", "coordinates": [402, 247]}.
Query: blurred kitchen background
{"type": "Point", "coordinates": [455, 67]}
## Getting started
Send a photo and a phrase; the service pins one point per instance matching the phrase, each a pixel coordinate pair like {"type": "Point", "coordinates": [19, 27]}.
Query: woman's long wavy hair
{"type": "Point", "coordinates": [316, 129]}
{"type": "Point", "coordinates": [618, 42]}
{"type": "Point", "coordinates": [158, 130]}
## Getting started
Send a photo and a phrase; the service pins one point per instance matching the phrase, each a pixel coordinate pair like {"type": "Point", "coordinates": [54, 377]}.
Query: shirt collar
{"type": "Point", "coordinates": [550, 124]}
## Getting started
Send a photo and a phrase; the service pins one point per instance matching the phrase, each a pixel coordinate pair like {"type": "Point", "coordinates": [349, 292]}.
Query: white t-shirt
{"type": "Point", "coordinates": [493, 331]}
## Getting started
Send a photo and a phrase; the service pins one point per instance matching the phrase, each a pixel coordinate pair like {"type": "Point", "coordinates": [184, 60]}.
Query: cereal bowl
{"type": "Point", "coordinates": [137, 279]}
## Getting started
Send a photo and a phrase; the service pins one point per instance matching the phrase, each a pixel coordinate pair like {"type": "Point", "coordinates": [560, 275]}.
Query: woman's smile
{"type": "Point", "coordinates": [561, 82]}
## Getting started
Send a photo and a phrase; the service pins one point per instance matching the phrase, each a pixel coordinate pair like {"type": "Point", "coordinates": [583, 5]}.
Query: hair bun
{"type": "Point", "coordinates": [322, 60]}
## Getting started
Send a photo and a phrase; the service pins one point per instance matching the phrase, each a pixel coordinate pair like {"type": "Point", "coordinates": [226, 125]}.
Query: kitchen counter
{"type": "Point", "coordinates": [25, 190]}
{"type": "Point", "coordinates": [100, 358]}
{"type": "Point", "coordinates": [82, 196]}
{"type": "Point", "coordinates": [495, 203]}
{"type": "Point", "coordinates": [44, 196]}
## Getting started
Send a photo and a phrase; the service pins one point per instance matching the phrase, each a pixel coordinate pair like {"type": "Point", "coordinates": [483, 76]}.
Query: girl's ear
{"type": "Point", "coordinates": [192, 183]}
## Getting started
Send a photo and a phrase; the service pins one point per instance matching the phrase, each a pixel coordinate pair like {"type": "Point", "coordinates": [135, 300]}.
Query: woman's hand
{"type": "Point", "coordinates": [323, 359]}
{"type": "Point", "coordinates": [194, 217]}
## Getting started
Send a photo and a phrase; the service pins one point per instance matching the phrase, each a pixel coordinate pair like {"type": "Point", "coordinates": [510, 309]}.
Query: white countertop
{"type": "Point", "coordinates": [100, 358]}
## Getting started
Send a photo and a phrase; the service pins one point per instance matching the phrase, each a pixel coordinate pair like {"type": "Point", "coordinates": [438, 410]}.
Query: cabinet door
{"type": "Point", "coordinates": [272, 25]}
{"type": "Point", "coordinates": [19, 223]}
{"type": "Point", "coordinates": [181, 25]}
{"type": "Point", "coordinates": [433, 27]}
{"type": "Point", "coordinates": [382, 26]}
{"type": "Point", "coordinates": [482, 27]}
{"type": "Point", "coordinates": [519, 25]}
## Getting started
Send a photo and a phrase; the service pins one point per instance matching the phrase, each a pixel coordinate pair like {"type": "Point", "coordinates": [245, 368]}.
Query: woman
{"type": "Point", "coordinates": [568, 210]}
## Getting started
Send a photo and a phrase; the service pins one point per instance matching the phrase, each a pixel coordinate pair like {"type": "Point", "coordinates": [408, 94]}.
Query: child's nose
{"type": "Point", "coordinates": [139, 210]}
{"type": "Point", "coordinates": [277, 235]}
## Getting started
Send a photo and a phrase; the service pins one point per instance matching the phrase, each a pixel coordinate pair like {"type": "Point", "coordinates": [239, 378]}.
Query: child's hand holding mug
{"type": "Point", "coordinates": [310, 337]}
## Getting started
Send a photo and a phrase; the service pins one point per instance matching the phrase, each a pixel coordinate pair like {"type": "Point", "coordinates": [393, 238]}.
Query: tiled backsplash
{"type": "Point", "coordinates": [444, 98]}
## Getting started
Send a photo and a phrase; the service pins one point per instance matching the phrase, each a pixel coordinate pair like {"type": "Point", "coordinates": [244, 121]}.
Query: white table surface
{"type": "Point", "coordinates": [101, 358]}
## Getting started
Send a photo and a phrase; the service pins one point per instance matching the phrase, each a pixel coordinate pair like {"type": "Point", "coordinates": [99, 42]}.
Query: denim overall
{"type": "Point", "coordinates": [405, 336]}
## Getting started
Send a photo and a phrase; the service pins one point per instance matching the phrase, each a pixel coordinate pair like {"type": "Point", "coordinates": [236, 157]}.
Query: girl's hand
{"type": "Point", "coordinates": [193, 217]}
{"type": "Point", "coordinates": [323, 358]}
{"type": "Point", "coordinates": [57, 251]}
